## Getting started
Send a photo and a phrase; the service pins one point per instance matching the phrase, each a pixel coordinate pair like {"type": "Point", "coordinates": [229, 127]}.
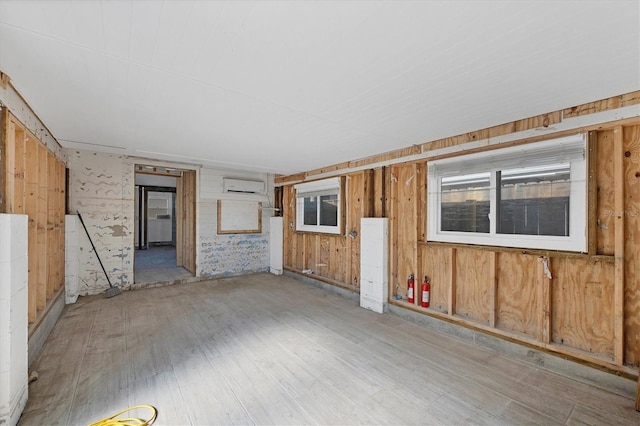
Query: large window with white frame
{"type": "Point", "coordinates": [318, 206]}
{"type": "Point", "coordinates": [526, 196]}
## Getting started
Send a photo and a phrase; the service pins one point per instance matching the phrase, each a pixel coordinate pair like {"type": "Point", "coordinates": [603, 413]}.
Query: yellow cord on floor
{"type": "Point", "coordinates": [128, 421]}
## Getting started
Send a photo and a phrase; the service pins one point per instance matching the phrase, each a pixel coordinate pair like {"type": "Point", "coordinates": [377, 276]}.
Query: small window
{"type": "Point", "coordinates": [318, 206]}
{"type": "Point", "coordinates": [530, 196]}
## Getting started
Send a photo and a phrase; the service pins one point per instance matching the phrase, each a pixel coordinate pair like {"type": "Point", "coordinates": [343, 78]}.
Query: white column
{"type": "Point", "coordinates": [71, 259]}
{"type": "Point", "coordinates": [374, 263]}
{"type": "Point", "coordinates": [276, 234]}
{"type": "Point", "coordinates": [14, 357]}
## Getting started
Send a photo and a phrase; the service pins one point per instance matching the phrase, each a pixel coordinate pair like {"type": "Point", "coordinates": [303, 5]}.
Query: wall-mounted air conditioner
{"type": "Point", "coordinates": [243, 186]}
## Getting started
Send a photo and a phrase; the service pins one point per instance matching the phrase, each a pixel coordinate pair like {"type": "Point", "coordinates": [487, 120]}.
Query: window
{"type": "Point", "coordinates": [530, 196]}
{"type": "Point", "coordinates": [318, 206]}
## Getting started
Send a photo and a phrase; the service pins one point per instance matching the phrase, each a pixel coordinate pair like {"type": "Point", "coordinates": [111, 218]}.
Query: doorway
{"type": "Point", "coordinates": [164, 224]}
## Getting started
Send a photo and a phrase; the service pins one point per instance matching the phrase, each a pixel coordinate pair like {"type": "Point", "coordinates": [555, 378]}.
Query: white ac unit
{"type": "Point", "coordinates": [243, 186]}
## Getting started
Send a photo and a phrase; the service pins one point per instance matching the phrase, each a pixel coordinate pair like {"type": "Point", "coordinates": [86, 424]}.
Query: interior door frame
{"type": "Point", "coordinates": [186, 231]}
{"type": "Point", "coordinates": [185, 211]}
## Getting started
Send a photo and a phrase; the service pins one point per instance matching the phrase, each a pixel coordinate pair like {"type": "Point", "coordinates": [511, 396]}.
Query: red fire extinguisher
{"type": "Point", "coordinates": [410, 287]}
{"type": "Point", "coordinates": [426, 289]}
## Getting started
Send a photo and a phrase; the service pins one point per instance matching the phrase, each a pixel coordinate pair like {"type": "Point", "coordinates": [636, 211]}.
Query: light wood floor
{"type": "Point", "coordinates": [272, 350]}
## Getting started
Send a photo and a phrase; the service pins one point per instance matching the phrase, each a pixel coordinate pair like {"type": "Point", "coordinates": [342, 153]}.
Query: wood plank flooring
{"type": "Point", "coordinates": [263, 349]}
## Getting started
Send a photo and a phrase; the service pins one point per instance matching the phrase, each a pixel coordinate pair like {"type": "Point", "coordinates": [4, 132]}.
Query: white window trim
{"type": "Point", "coordinates": [568, 149]}
{"type": "Point", "coordinates": [332, 185]}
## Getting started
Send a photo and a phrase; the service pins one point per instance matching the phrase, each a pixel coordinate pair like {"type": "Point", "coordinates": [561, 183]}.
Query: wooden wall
{"type": "Point", "coordinates": [590, 307]}
{"type": "Point", "coordinates": [33, 183]}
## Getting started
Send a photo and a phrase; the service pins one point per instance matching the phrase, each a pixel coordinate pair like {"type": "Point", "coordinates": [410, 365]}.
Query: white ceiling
{"type": "Point", "coordinates": [287, 86]}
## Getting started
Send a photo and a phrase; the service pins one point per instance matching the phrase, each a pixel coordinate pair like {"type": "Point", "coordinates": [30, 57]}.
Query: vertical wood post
{"type": "Point", "coordinates": [393, 229]}
{"type": "Point", "coordinates": [592, 193]}
{"type": "Point", "coordinates": [544, 301]}
{"type": "Point", "coordinates": [638, 395]}
{"type": "Point", "coordinates": [4, 117]}
{"type": "Point", "coordinates": [493, 288]}
{"type": "Point", "coordinates": [618, 170]}
{"type": "Point", "coordinates": [452, 281]}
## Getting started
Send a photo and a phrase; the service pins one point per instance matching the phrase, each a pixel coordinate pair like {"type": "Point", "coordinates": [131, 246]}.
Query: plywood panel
{"type": "Point", "coordinates": [544, 299]}
{"type": "Point", "coordinates": [517, 296]}
{"type": "Point", "coordinates": [337, 265]}
{"type": "Point", "coordinates": [309, 251]}
{"type": "Point", "coordinates": [324, 254]}
{"type": "Point", "coordinates": [472, 284]}
{"type": "Point", "coordinates": [631, 163]}
{"type": "Point", "coordinates": [436, 265]}
{"type": "Point", "coordinates": [605, 229]}
{"type": "Point", "coordinates": [582, 300]}
{"type": "Point", "coordinates": [300, 251]}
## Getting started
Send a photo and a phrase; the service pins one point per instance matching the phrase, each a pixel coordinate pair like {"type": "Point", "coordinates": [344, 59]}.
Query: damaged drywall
{"type": "Point", "coordinates": [102, 189]}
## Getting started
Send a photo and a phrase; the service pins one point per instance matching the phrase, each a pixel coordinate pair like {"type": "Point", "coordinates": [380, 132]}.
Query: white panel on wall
{"type": "Point", "coordinates": [71, 256]}
{"type": "Point", "coordinates": [276, 240]}
{"type": "Point", "coordinates": [374, 263]}
{"type": "Point", "coordinates": [14, 357]}
{"type": "Point", "coordinates": [212, 188]}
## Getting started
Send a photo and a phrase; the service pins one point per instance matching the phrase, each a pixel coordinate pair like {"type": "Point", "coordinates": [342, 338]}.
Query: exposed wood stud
{"type": "Point", "coordinates": [592, 193]}
{"type": "Point", "coordinates": [370, 194]}
{"type": "Point", "coordinates": [43, 194]}
{"type": "Point", "coordinates": [4, 136]}
{"type": "Point", "coordinates": [618, 149]}
{"type": "Point", "coordinates": [31, 178]}
{"type": "Point", "coordinates": [504, 291]}
{"type": "Point", "coordinates": [383, 197]}
{"type": "Point", "coordinates": [452, 282]}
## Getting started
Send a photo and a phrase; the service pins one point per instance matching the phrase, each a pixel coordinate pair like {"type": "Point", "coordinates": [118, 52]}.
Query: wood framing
{"type": "Point", "coordinates": [34, 184]}
{"type": "Point", "coordinates": [619, 213]}
{"type": "Point", "coordinates": [584, 305]}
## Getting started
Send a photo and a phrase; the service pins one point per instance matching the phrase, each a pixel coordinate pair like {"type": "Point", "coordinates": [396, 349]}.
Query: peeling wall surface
{"type": "Point", "coordinates": [230, 254]}
{"type": "Point", "coordinates": [102, 187]}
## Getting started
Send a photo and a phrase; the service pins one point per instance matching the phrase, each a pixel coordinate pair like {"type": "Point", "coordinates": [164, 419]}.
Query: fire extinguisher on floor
{"type": "Point", "coordinates": [410, 287]}
{"type": "Point", "coordinates": [426, 289]}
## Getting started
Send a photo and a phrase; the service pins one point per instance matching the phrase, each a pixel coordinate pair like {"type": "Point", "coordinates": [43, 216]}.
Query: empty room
{"type": "Point", "coordinates": [319, 212]}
